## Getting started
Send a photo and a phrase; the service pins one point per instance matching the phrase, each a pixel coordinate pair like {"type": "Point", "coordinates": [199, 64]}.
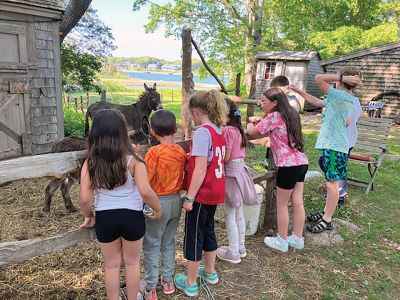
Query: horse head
{"type": "Point", "coordinates": [153, 97]}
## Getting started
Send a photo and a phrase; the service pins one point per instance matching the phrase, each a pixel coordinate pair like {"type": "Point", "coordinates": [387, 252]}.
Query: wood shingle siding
{"type": "Point", "coordinates": [380, 67]}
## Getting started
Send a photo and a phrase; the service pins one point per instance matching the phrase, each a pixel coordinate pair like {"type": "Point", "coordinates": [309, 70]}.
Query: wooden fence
{"type": "Point", "coordinates": [56, 165]}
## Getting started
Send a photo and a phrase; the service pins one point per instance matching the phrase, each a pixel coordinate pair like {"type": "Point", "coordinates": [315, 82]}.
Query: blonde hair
{"type": "Point", "coordinates": [213, 104]}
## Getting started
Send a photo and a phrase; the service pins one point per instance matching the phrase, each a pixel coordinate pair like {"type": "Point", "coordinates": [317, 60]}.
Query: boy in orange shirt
{"type": "Point", "coordinates": [165, 166]}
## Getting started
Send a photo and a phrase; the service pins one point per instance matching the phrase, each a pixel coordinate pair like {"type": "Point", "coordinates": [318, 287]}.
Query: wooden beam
{"type": "Point", "coordinates": [11, 133]}
{"type": "Point", "coordinates": [45, 165]}
{"type": "Point", "coordinates": [15, 252]}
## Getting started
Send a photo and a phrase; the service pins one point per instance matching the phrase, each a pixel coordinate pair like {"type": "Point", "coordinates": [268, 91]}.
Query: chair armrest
{"type": "Point", "coordinates": [384, 150]}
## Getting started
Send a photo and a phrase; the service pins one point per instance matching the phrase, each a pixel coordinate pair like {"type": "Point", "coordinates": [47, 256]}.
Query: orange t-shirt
{"type": "Point", "coordinates": [165, 167]}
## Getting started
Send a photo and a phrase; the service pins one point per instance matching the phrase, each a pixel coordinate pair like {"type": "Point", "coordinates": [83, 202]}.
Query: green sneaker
{"type": "Point", "coordinates": [181, 283]}
{"type": "Point", "coordinates": [210, 278]}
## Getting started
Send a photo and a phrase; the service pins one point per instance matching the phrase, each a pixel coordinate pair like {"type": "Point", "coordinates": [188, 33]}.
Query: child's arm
{"type": "Point", "coordinates": [309, 98]}
{"type": "Point", "coordinates": [199, 173]}
{"type": "Point", "coordinates": [138, 169]}
{"type": "Point", "coordinates": [86, 198]}
{"type": "Point", "coordinates": [253, 132]}
{"type": "Point", "coordinates": [227, 154]}
{"type": "Point", "coordinates": [323, 80]}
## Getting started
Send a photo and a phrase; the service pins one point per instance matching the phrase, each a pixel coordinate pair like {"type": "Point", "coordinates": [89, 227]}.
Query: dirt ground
{"type": "Point", "coordinates": [76, 272]}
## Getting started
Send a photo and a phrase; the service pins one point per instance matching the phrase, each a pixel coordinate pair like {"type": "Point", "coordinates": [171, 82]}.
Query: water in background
{"type": "Point", "coordinates": [171, 78]}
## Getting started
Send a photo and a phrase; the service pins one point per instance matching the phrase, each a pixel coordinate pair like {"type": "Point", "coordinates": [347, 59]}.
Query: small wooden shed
{"type": "Point", "coordinates": [380, 67]}
{"type": "Point", "coordinates": [31, 116]}
{"type": "Point", "coordinates": [299, 67]}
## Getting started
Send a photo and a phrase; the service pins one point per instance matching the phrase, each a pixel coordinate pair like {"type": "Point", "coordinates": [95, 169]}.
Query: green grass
{"type": "Point", "coordinates": [368, 265]}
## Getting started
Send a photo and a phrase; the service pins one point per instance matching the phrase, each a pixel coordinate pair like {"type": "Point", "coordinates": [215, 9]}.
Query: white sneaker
{"type": "Point", "coordinates": [277, 243]}
{"type": "Point", "coordinates": [296, 242]}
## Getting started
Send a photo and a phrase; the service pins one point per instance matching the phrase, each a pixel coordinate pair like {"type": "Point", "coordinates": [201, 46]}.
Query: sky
{"type": "Point", "coordinates": [128, 30]}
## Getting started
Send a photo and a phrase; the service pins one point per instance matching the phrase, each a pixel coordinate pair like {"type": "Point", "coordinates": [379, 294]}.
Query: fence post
{"type": "Point", "coordinates": [76, 103]}
{"type": "Point", "coordinates": [68, 100]}
{"type": "Point", "coordinates": [81, 103]}
{"type": "Point", "coordinates": [87, 100]}
{"type": "Point", "coordinates": [103, 95]}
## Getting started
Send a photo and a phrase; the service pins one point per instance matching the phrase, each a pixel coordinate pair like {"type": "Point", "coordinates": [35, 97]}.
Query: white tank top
{"type": "Point", "coordinates": [125, 196]}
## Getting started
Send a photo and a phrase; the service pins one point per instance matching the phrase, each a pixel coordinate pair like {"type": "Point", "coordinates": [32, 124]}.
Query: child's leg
{"type": "Point", "coordinates": [112, 253]}
{"type": "Point", "coordinates": [192, 271]}
{"type": "Point", "coordinates": [210, 241]}
{"type": "Point", "coordinates": [232, 228]}
{"type": "Point", "coordinates": [331, 200]}
{"type": "Point", "coordinates": [131, 252]}
{"type": "Point", "coordinates": [152, 248]}
{"type": "Point", "coordinates": [282, 200]}
{"type": "Point", "coordinates": [172, 207]}
{"type": "Point", "coordinates": [241, 225]}
{"type": "Point", "coordinates": [299, 214]}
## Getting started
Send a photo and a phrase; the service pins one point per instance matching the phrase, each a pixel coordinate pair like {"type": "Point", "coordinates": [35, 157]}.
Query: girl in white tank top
{"type": "Point", "coordinates": [116, 178]}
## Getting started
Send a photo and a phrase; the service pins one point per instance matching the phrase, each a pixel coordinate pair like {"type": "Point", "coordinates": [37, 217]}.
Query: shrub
{"type": "Point", "coordinates": [74, 122]}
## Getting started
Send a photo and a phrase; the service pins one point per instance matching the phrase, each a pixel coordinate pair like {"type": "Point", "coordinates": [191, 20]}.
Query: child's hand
{"type": "Point", "coordinates": [88, 223]}
{"type": "Point", "coordinates": [351, 80]}
{"type": "Point", "coordinates": [155, 216]}
{"type": "Point", "coordinates": [255, 120]}
{"type": "Point", "coordinates": [294, 89]}
{"type": "Point", "coordinates": [187, 205]}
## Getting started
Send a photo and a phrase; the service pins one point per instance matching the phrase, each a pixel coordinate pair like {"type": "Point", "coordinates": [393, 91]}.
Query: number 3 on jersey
{"type": "Point", "coordinates": [220, 153]}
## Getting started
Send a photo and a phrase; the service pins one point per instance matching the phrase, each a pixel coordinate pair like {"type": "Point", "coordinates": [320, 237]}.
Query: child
{"type": "Point", "coordinates": [239, 187]}
{"type": "Point", "coordinates": [117, 178]}
{"type": "Point", "coordinates": [333, 138]}
{"type": "Point", "coordinates": [206, 189]}
{"type": "Point", "coordinates": [165, 166]}
{"type": "Point", "coordinates": [282, 82]}
{"type": "Point", "coordinates": [352, 131]}
{"type": "Point", "coordinates": [283, 126]}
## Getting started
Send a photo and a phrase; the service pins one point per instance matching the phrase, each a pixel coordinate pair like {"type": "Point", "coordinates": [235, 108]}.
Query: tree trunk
{"type": "Point", "coordinates": [187, 81]}
{"type": "Point", "coordinates": [73, 13]}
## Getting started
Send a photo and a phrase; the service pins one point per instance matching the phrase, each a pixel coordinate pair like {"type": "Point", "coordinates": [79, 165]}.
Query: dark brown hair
{"type": "Point", "coordinates": [279, 81]}
{"type": "Point", "coordinates": [163, 122]}
{"type": "Point", "coordinates": [235, 120]}
{"type": "Point", "coordinates": [108, 147]}
{"type": "Point", "coordinates": [290, 115]}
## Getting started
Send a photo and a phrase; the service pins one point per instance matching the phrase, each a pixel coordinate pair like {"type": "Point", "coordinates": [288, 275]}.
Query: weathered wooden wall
{"type": "Point", "coordinates": [37, 62]}
{"type": "Point", "coordinates": [380, 67]}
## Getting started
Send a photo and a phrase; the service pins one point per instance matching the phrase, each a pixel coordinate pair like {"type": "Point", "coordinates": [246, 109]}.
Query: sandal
{"type": "Point", "coordinates": [319, 227]}
{"type": "Point", "coordinates": [316, 217]}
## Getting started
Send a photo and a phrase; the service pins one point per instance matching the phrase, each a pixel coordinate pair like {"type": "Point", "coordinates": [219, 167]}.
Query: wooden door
{"type": "Point", "coordinates": [14, 89]}
{"type": "Point", "coordinates": [296, 72]}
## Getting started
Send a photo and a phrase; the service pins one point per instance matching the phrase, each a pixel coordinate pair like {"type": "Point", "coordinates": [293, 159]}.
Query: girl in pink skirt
{"type": "Point", "coordinates": [239, 187]}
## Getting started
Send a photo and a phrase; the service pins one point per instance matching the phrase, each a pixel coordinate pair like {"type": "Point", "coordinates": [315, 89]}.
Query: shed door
{"type": "Point", "coordinates": [14, 89]}
{"type": "Point", "coordinates": [296, 72]}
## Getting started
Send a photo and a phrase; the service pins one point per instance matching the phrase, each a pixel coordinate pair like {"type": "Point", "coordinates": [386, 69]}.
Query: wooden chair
{"type": "Point", "coordinates": [372, 138]}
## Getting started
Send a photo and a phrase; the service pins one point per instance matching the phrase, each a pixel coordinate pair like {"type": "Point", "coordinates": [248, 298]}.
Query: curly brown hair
{"type": "Point", "coordinates": [213, 104]}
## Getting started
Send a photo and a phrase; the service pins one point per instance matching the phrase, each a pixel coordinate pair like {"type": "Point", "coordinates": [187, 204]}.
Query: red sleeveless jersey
{"type": "Point", "coordinates": [212, 190]}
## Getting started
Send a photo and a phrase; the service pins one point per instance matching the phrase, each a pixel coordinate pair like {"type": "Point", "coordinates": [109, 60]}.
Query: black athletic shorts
{"type": "Point", "coordinates": [199, 231]}
{"type": "Point", "coordinates": [287, 177]}
{"type": "Point", "coordinates": [115, 223]}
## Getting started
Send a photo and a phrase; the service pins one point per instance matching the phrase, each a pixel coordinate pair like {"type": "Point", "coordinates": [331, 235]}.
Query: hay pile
{"type": "Point", "coordinates": [76, 272]}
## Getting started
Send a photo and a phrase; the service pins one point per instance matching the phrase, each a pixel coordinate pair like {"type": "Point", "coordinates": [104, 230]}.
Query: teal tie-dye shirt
{"type": "Point", "coordinates": [333, 134]}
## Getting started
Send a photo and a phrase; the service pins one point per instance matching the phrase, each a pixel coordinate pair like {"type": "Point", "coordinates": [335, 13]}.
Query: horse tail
{"type": "Point", "coordinates": [87, 122]}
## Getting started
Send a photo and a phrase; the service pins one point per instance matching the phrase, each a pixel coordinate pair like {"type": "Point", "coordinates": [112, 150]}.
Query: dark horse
{"type": "Point", "coordinates": [135, 114]}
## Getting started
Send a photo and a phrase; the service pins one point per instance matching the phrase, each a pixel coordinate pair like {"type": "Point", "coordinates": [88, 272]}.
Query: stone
{"type": "Point", "coordinates": [313, 175]}
{"type": "Point", "coordinates": [330, 237]}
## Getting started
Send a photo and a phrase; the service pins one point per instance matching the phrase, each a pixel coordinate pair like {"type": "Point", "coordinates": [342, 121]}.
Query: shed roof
{"type": "Point", "coordinates": [288, 55]}
{"type": "Point", "coordinates": [50, 4]}
{"type": "Point", "coordinates": [361, 53]}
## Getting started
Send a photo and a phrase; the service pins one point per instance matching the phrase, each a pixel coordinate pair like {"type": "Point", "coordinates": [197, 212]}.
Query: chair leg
{"type": "Point", "coordinates": [373, 175]}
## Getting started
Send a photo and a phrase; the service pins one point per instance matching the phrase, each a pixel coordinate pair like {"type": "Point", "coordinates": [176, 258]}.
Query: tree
{"type": "Point", "coordinates": [222, 28]}
{"type": "Point", "coordinates": [85, 45]}
{"type": "Point", "coordinates": [74, 11]}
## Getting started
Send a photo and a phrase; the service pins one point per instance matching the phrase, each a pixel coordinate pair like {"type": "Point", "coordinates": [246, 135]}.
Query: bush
{"type": "Point", "coordinates": [74, 122]}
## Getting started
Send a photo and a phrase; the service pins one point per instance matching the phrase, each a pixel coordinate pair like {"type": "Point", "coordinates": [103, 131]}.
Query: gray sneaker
{"type": "Point", "coordinates": [296, 242]}
{"type": "Point", "coordinates": [225, 253]}
{"type": "Point", "coordinates": [242, 251]}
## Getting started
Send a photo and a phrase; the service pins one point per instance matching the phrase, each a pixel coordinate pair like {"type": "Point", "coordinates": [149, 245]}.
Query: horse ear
{"type": "Point", "coordinates": [154, 86]}
{"type": "Point", "coordinates": [146, 87]}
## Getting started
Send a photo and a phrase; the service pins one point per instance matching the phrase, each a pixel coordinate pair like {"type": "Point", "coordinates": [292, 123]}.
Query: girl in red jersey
{"type": "Point", "coordinates": [206, 189]}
